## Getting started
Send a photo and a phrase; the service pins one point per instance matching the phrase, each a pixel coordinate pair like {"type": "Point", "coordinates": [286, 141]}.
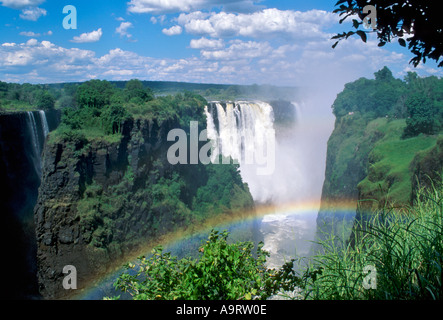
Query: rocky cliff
{"type": "Point", "coordinates": [102, 199]}
{"type": "Point", "coordinates": [370, 167]}
{"type": "Point", "coordinates": [21, 139]}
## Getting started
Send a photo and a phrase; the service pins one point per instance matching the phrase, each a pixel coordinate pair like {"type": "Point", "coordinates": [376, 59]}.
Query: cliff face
{"type": "Point", "coordinates": [20, 169]}
{"type": "Point", "coordinates": [369, 165]}
{"type": "Point", "coordinates": [101, 199]}
{"type": "Point", "coordinates": [64, 232]}
{"type": "Point", "coordinates": [346, 166]}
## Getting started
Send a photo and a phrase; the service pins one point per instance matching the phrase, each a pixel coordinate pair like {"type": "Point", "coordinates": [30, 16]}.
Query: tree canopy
{"type": "Point", "coordinates": [416, 24]}
{"type": "Point", "coordinates": [418, 100]}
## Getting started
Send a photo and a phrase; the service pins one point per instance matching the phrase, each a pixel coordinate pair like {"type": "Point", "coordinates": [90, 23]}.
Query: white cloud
{"type": "Point", "coordinates": [123, 29]}
{"type": "Point", "coordinates": [208, 44]}
{"type": "Point", "coordinates": [30, 34]}
{"type": "Point", "coordinates": [239, 50]}
{"type": "Point", "coordinates": [20, 4]}
{"type": "Point", "coordinates": [31, 42]}
{"type": "Point", "coordinates": [220, 61]}
{"type": "Point", "coordinates": [93, 36]}
{"type": "Point", "coordinates": [160, 19]}
{"type": "Point", "coordinates": [265, 23]}
{"type": "Point", "coordinates": [174, 6]}
{"type": "Point", "coordinates": [32, 13]}
{"type": "Point", "coordinates": [173, 31]}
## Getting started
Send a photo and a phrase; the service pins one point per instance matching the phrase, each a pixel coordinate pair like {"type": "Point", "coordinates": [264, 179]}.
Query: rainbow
{"type": "Point", "coordinates": [220, 223]}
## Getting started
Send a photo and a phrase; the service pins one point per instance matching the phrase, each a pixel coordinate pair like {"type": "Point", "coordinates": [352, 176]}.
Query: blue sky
{"type": "Point", "coordinates": [233, 41]}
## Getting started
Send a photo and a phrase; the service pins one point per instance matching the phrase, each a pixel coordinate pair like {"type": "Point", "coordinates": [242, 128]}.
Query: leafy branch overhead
{"type": "Point", "coordinates": [415, 24]}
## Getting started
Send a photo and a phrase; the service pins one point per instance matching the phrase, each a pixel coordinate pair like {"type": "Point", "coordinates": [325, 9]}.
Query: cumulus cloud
{"type": "Point", "coordinates": [29, 34]}
{"type": "Point", "coordinates": [32, 13]}
{"type": "Point", "coordinates": [220, 61]}
{"type": "Point", "coordinates": [122, 30]}
{"type": "Point", "coordinates": [239, 50]}
{"type": "Point", "coordinates": [265, 23]}
{"type": "Point", "coordinates": [43, 54]}
{"type": "Point", "coordinates": [173, 31]}
{"type": "Point", "coordinates": [208, 44]}
{"type": "Point", "coordinates": [175, 6]}
{"type": "Point", "coordinates": [21, 4]}
{"type": "Point", "coordinates": [93, 36]}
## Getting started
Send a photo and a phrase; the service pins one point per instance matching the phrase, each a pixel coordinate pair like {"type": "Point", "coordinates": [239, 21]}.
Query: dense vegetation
{"type": "Point", "coordinates": [26, 97]}
{"type": "Point", "coordinates": [418, 100]}
{"type": "Point", "coordinates": [223, 271]}
{"type": "Point", "coordinates": [383, 126]}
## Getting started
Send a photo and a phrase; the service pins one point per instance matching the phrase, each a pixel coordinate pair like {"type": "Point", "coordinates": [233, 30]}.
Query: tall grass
{"type": "Point", "coordinates": [403, 247]}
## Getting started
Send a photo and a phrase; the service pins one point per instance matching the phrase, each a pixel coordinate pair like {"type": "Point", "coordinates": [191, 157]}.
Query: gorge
{"type": "Point", "coordinates": [91, 186]}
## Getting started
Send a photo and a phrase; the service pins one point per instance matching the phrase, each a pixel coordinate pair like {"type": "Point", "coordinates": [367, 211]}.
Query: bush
{"type": "Point", "coordinates": [222, 272]}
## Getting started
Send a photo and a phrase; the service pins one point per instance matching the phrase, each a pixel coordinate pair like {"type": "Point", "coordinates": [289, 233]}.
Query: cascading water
{"type": "Point", "coordinates": [37, 136]}
{"type": "Point", "coordinates": [44, 122]}
{"type": "Point", "coordinates": [245, 132]}
{"type": "Point", "coordinates": [244, 129]}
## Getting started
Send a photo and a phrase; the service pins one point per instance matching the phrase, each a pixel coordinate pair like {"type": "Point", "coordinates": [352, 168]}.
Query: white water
{"type": "Point", "coordinates": [246, 134]}
{"type": "Point", "coordinates": [44, 123]}
{"type": "Point", "coordinates": [241, 129]}
{"type": "Point", "coordinates": [36, 138]}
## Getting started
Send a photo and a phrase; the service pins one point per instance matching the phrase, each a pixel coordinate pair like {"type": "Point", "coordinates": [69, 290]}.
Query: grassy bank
{"type": "Point", "coordinates": [397, 255]}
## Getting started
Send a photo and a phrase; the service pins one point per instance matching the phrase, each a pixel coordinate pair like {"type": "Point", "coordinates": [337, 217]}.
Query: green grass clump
{"type": "Point", "coordinates": [403, 248]}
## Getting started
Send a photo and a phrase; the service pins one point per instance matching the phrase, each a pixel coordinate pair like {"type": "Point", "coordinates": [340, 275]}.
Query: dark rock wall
{"type": "Point", "coordinates": [20, 179]}
{"type": "Point", "coordinates": [67, 172]}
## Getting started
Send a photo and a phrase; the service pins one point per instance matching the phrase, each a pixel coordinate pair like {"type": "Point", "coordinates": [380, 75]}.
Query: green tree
{"type": "Point", "coordinates": [136, 92]}
{"type": "Point", "coordinates": [94, 94]}
{"type": "Point", "coordinates": [45, 101]}
{"type": "Point", "coordinates": [373, 98]}
{"type": "Point", "coordinates": [113, 118]}
{"type": "Point", "coordinates": [421, 111]}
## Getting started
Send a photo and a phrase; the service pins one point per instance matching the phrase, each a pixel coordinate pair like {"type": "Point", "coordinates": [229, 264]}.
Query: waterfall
{"type": "Point", "coordinates": [245, 132]}
{"type": "Point", "coordinates": [32, 125]}
{"type": "Point", "coordinates": [240, 130]}
{"type": "Point", "coordinates": [38, 131]}
{"type": "Point", "coordinates": [44, 123]}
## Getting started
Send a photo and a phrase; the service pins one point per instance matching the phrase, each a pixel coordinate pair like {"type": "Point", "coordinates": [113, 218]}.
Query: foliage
{"type": "Point", "coordinates": [184, 107]}
{"type": "Point", "coordinates": [45, 101]}
{"type": "Point", "coordinates": [418, 100]}
{"type": "Point", "coordinates": [222, 192]}
{"type": "Point", "coordinates": [421, 111]}
{"type": "Point", "coordinates": [222, 271]}
{"type": "Point", "coordinates": [134, 89]}
{"type": "Point", "coordinates": [94, 94]}
{"type": "Point", "coordinates": [113, 118]}
{"type": "Point", "coordinates": [373, 98]}
{"type": "Point", "coordinates": [416, 24]}
{"type": "Point", "coordinates": [26, 97]}
{"type": "Point", "coordinates": [404, 247]}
